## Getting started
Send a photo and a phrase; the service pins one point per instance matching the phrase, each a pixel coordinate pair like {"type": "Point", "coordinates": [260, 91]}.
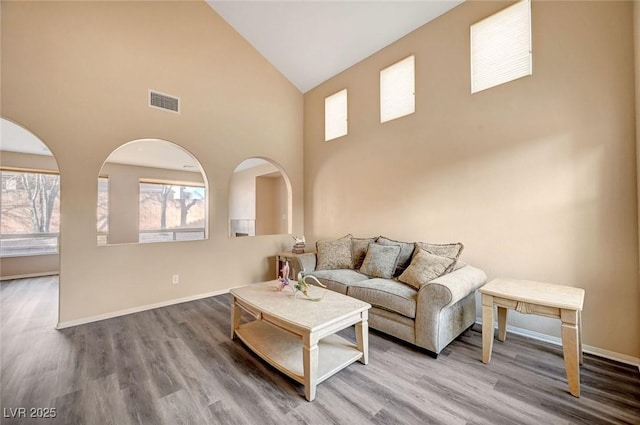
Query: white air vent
{"type": "Point", "coordinates": [164, 101]}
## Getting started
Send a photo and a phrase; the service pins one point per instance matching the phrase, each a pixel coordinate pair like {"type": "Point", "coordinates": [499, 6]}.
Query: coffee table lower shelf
{"type": "Point", "coordinates": [284, 351]}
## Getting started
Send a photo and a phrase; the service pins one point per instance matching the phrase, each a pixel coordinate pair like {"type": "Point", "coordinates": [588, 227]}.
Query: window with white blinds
{"type": "Point", "coordinates": [501, 47]}
{"type": "Point", "coordinates": [397, 90]}
{"type": "Point", "coordinates": [335, 115]}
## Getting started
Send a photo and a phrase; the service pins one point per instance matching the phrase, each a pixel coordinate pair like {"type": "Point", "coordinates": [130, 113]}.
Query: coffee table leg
{"type": "Point", "coordinates": [310, 364]}
{"type": "Point", "coordinates": [487, 327]}
{"type": "Point", "coordinates": [570, 349]}
{"type": "Point", "coordinates": [362, 337]}
{"type": "Point", "coordinates": [235, 317]}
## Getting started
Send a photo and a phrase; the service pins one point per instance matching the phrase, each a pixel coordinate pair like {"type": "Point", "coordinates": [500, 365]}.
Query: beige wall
{"type": "Point", "coordinates": [32, 265]}
{"type": "Point", "coordinates": [249, 201]}
{"type": "Point", "coordinates": [271, 213]}
{"type": "Point", "coordinates": [77, 74]}
{"type": "Point", "coordinates": [536, 177]}
{"type": "Point", "coordinates": [636, 38]}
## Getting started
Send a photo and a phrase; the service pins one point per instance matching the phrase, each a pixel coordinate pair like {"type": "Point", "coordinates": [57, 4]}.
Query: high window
{"type": "Point", "coordinates": [29, 213]}
{"type": "Point", "coordinates": [335, 115]}
{"type": "Point", "coordinates": [170, 212]}
{"type": "Point", "coordinates": [501, 47]}
{"type": "Point", "coordinates": [397, 90]}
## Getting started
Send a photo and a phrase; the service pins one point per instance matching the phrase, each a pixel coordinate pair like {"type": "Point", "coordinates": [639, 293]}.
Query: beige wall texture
{"type": "Point", "coordinates": [77, 74]}
{"type": "Point", "coordinates": [537, 177]}
{"type": "Point", "coordinates": [636, 39]}
{"type": "Point", "coordinates": [271, 205]}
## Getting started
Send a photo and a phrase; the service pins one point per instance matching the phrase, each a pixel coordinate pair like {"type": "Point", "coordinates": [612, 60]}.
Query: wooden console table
{"type": "Point", "coordinates": [294, 263]}
{"type": "Point", "coordinates": [545, 299]}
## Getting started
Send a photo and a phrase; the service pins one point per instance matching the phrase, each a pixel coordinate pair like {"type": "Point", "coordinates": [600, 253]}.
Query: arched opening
{"type": "Point", "coordinates": [151, 190]}
{"type": "Point", "coordinates": [260, 200]}
{"type": "Point", "coordinates": [29, 216]}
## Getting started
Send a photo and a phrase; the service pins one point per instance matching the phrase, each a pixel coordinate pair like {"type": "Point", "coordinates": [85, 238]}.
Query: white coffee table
{"type": "Point", "coordinates": [297, 336]}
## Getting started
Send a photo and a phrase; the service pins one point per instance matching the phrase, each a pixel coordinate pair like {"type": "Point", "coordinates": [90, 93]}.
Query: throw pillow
{"type": "Point", "coordinates": [359, 248]}
{"type": "Point", "coordinates": [380, 260]}
{"type": "Point", "coordinates": [449, 250]}
{"type": "Point", "coordinates": [406, 252]}
{"type": "Point", "coordinates": [334, 254]}
{"type": "Point", "coordinates": [424, 268]}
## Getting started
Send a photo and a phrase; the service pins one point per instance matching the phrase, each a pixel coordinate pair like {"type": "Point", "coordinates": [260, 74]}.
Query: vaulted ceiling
{"type": "Point", "coordinates": [311, 41]}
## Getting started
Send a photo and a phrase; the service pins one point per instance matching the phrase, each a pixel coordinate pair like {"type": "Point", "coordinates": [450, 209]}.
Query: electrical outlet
{"type": "Point", "coordinates": [175, 279]}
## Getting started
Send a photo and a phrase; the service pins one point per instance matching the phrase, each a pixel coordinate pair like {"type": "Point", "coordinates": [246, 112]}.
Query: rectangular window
{"type": "Point", "coordinates": [501, 47]}
{"type": "Point", "coordinates": [335, 115]}
{"type": "Point", "coordinates": [170, 212]}
{"type": "Point", "coordinates": [29, 213]}
{"type": "Point", "coordinates": [397, 90]}
{"type": "Point", "coordinates": [102, 223]}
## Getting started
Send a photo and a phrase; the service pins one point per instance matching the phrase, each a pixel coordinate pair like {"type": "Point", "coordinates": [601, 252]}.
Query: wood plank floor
{"type": "Point", "coordinates": [177, 365]}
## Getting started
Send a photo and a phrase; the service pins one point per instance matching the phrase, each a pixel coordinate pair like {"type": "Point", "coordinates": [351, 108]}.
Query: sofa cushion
{"type": "Point", "coordinates": [380, 260]}
{"type": "Point", "coordinates": [386, 294]}
{"type": "Point", "coordinates": [424, 268]}
{"type": "Point", "coordinates": [450, 250]}
{"type": "Point", "coordinates": [334, 254]}
{"type": "Point", "coordinates": [406, 252]}
{"type": "Point", "coordinates": [338, 280]}
{"type": "Point", "coordinates": [359, 248]}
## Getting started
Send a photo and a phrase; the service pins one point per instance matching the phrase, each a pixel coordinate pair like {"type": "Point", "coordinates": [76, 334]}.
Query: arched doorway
{"type": "Point", "coordinates": [29, 213]}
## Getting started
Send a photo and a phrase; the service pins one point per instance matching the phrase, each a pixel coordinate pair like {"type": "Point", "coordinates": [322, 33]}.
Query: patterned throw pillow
{"type": "Point", "coordinates": [449, 250]}
{"type": "Point", "coordinates": [424, 268]}
{"type": "Point", "coordinates": [335, 254]}
{"type": "Point", "coordinates": [406, 252]}
{"type": "Point", "coordinates": [380, 260]}
{"type": "Point", "coordinates": [359, 248]}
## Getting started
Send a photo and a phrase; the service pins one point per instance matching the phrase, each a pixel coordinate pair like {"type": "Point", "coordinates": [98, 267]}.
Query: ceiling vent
{"type": "Point", "coordinates": [164, 101]}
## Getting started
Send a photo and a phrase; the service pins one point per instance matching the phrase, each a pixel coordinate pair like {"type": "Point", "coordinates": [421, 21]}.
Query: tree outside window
{"type": "Point", "coordinates": [29, 213]}
{"type": "Point", "coordinates": [171, 212]}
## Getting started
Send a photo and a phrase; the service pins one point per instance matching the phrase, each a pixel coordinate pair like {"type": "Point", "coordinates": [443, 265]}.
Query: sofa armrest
{"type": "Point", "coordinates": [307, 262]}
{"type": "Point", "coordinates": [445, 306]}
{"type": "Point", "coordinates": [456, 285]}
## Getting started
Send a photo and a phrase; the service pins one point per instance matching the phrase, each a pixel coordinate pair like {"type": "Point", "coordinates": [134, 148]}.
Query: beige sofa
{"type": "Point", "coordinates": [427, 314]}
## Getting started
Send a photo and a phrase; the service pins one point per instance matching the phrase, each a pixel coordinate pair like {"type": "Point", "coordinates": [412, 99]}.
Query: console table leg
{"type": "Point", "coordinates": [235, 317]}
{"type": "Point", "coordinates": [487, 327]}
{"type": "Point", "coordinates": [502, 323]}
{"type": "Point", "coordinates": [570, 349]}
{"type": "Point", "coordinates": [310, 364]}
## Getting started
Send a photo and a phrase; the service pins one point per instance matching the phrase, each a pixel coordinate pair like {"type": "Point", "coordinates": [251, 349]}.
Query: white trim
{"type": "Point", "coordinates": [91, 319]}
{"type": "Point", "coordinates": [29, 275]}
{"type": "Point", "coordinates": [600, 352]}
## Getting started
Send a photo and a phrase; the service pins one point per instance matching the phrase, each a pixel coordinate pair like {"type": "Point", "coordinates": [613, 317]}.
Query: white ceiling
{"type": "Point", "coordinates": [154, 153]}
{"type": "Point", "coordinates": [311, 41]}
{"type": "Point", "coordinates": [14, 138]}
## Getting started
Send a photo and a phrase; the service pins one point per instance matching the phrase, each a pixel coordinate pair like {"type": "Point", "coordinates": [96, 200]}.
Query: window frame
{"type": "Point", "coordinates": [175, 230]}
{"type": "Point", "coordinates": [388, 98]}
{"type": "Point", "coordinates": [341, 115]}
{"type": "Point", "coordinates": [507, 62]}
{"type": "Point", "coordinates": [32, 235]}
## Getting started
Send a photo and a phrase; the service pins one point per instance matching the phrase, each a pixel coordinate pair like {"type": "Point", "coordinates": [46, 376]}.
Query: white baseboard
{"type": "Point", "coordinates": [600, 352]}
{"type": "Point", "coordinates": [91, 319]}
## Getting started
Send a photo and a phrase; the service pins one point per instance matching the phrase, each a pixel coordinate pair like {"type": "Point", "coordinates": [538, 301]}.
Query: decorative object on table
{"type": "Point", "coordinates": [299, 245]}
{"type": "Point", "coordinates": [284, 277]}
{"type": "Point", "coordinates": [303, 286]}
